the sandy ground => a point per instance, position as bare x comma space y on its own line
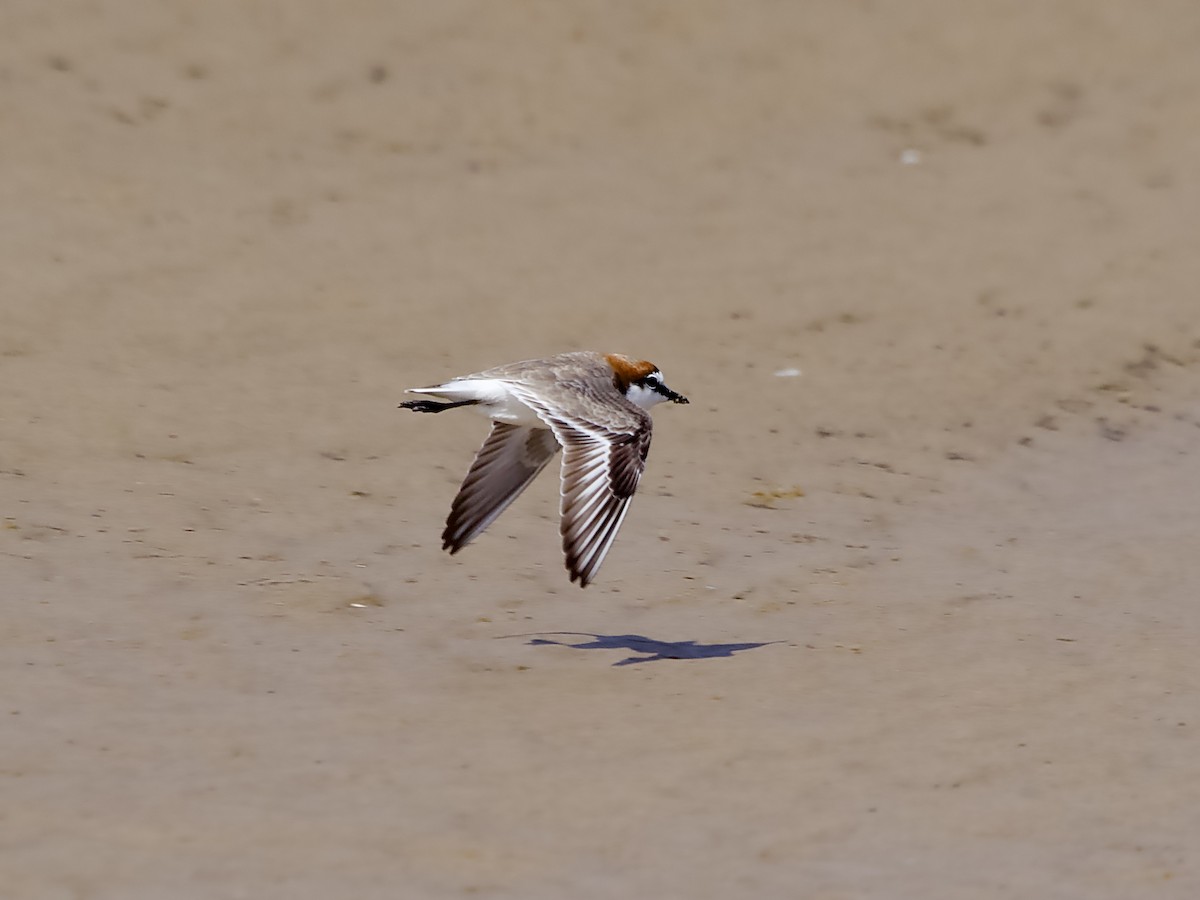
919, 622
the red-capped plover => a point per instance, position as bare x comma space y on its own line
593, 405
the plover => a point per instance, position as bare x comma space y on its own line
593, 405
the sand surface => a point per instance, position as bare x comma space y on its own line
920, 621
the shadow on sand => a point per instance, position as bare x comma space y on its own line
653, 650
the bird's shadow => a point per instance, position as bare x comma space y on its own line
652, 649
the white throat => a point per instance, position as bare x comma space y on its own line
643, 396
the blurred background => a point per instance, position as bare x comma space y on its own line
927, 273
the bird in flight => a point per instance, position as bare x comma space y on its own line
593, 406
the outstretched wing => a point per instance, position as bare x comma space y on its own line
509, 459
603, 459
600, 472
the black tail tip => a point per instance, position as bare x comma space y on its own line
434, 406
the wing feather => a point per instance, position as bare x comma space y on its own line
601, 468
508, 461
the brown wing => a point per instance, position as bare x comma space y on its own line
600, 472
509, 459
603, 460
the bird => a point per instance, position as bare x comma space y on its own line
591, 405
